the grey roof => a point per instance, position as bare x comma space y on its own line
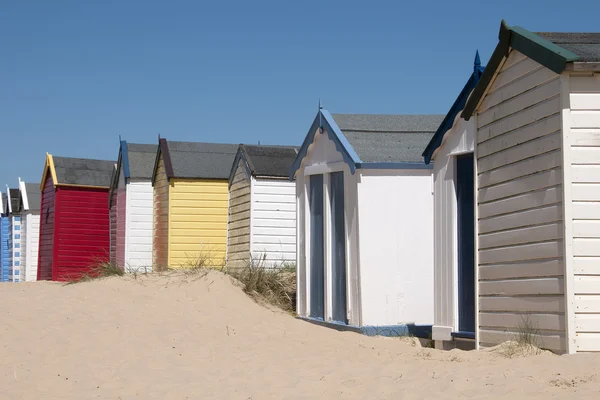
83, 171
273, 161
14, 200
388, 138
585, 45
34, 196
4, 203
141, 160
201, 160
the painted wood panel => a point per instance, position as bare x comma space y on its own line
238, 226
33, 237
113, 227
160, 229
121, 225
273, 201
139, 214
520, 203
206, 239
46, 255
584, 146
4, 264
82, 231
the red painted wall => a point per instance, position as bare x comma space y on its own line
46, 231
82, 231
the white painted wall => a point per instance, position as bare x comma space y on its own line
30, 237
138, 244
582, 143
273, 227
519, 205
458, 140
395, 217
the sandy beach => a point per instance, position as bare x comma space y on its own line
190, 337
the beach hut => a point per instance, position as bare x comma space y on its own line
4, 266
74, 228
365, 222
29, 210
14, 235
262, 207
191, 198
536, 111
131, 199
450, 150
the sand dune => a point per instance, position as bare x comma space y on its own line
176, 337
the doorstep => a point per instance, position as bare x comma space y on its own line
420, 331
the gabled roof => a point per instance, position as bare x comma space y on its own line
265, 161
553, 50
30, 197
82, 172
12, 200
195, 160
137, 161
3, 203
438, 138
374, 141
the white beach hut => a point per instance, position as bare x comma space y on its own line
262, 207
451, 153
14, 235
29, 210
536, 110
365, 222
131, 205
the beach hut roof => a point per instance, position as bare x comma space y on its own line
138, 160
375, 140
3, 203
30, 197
553, 50
67, 171
196, 160
13, 204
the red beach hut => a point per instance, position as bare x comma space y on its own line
74, 223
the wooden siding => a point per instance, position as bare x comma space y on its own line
121, 226
46, 254
82, 231
4, 266
238, 225
584, 147
160, 230
139, 226
520, 242
30, 228
273, 221
113, 228
198, 222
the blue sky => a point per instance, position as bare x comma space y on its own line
76, 74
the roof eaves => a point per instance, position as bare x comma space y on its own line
125, 159
24, 198
325, 121
239, 156
533, 46
48, 166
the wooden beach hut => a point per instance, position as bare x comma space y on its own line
262, 207
4, 264
536, 110
74, 229
365, 222
131, 204
191, 198
451, 153
14, 235
29, 209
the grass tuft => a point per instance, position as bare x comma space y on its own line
102, 269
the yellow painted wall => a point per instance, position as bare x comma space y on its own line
160, 232
198, 221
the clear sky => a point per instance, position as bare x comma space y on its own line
75, 74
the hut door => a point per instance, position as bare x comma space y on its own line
317, 256
466, 242
338, 247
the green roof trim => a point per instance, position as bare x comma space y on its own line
533, 46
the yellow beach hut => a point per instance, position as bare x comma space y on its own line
191, 197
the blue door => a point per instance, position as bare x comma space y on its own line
317, 256
465, 194
338, 247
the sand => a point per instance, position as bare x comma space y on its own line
176, 337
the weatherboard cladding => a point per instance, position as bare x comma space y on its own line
388, 138
272, 161
82, 171
201, 160
141, 159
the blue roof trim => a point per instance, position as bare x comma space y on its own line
457, 107
393, 165
125, 159
325, 120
